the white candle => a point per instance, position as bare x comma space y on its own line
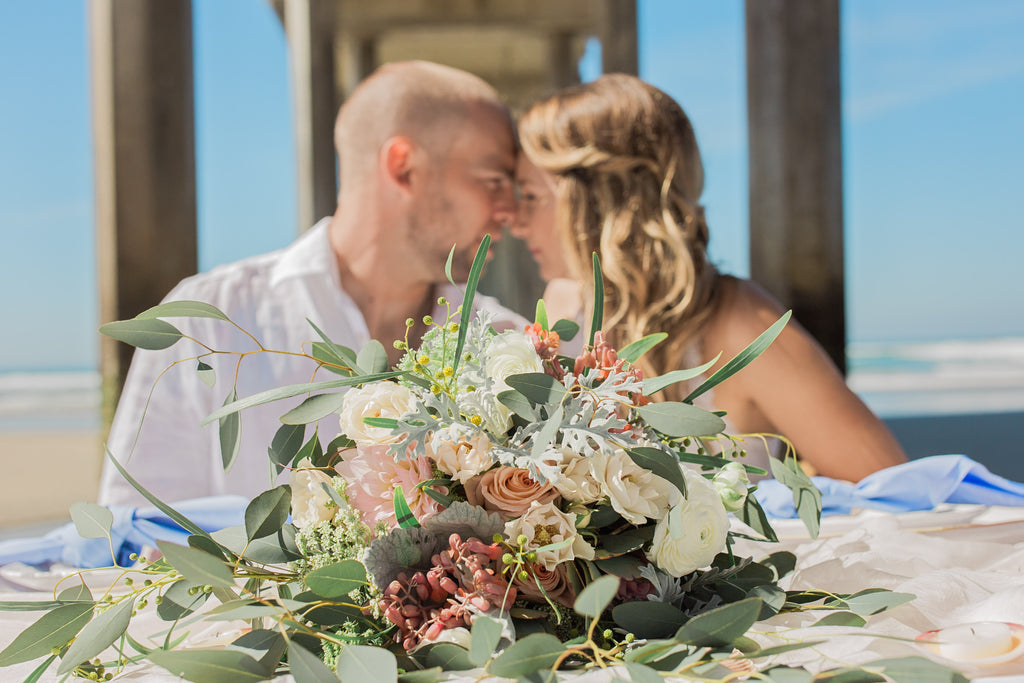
975, 641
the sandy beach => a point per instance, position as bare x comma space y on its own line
44, 473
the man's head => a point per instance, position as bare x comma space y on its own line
435, 147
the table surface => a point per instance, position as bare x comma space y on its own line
964, 563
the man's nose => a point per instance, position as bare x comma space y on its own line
505, 207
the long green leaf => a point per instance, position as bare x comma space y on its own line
681, 419
268, 512
151, 334
337, 580
403, 513
467, 300
313, 408
721, 626
230, 433
365, 663
598, 319
91, 520
182, 521
743, 358
307, 667
182, 309
53, 629
98, 635
541, 315
598, 594
535, 652
197, 566
209, 666
663, 464
294, 390
634, 351
40, 670
655, 384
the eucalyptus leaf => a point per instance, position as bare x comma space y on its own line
182, 309
209, 666
263, 645
681, 419
842, 619
293, 390
467, 300
743, 358
598, 318
721, 626
91, 520
337, 580
76, 593
182, 521
307, 667
647, 619
448, 656
310, 450
274, 549
871, 601
177, 602
540, 388
592, 600
38, 672
313, 408
207, 375
612, 545
566, 329
98, 635
753, 515
806, 496
286, 443
268, 512
53, 629
663, 464
197, 566
638, 673
918, 670
632, 352
372, 357
230, 432
486, 634
149, 334
366, 663
432, 675
535, 652
329, 357
29, 605
655, 384
518, 404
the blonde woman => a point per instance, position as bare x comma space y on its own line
613, 167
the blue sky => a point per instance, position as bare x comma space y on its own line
933, 105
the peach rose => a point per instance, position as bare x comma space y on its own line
555, 583
508, 491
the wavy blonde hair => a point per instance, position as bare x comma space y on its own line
629, 176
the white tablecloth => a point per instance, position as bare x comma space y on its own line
964, 564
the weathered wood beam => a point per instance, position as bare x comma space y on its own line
796, 182
619, 50
309, 26
145, 177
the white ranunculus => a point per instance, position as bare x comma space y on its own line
497, 418
510, 353
460, 451
693, 531
379, 399
544, 524
575, 480
731, 482
310, 503
635, 493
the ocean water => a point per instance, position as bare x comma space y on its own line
896, 379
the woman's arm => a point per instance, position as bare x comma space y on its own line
794, 389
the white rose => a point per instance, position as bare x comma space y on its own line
511, 353
635, 492
731, 482
575, 480
460, 451
544, 524
692, 532
379, 399
310, 503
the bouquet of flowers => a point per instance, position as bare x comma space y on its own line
488, 504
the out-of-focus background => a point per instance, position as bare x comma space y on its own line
932, 109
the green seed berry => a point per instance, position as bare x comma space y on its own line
531, 556
441, 301
428, 320
521, 539
523, 575
607, 633
630, 637
453, 327
398, 344
409, 322
508, 558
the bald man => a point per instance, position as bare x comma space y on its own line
426, 160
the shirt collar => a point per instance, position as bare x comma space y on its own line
310, 254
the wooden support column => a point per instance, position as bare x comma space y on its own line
619, 52
309, 26
145, 177
796, 188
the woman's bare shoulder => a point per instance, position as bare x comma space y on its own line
745, 310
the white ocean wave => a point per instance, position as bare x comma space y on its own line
49, 400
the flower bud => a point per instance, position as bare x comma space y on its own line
731, 484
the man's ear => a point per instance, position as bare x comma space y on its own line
399, 155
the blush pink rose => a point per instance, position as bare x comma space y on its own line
372, 477
555, 583
508, 491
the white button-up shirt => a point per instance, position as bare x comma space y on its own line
271, 296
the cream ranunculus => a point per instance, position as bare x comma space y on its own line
511, 353
379, 399
693, 531
461, 451
575, 481
310, 503
635, 493
731, 482
544, 524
